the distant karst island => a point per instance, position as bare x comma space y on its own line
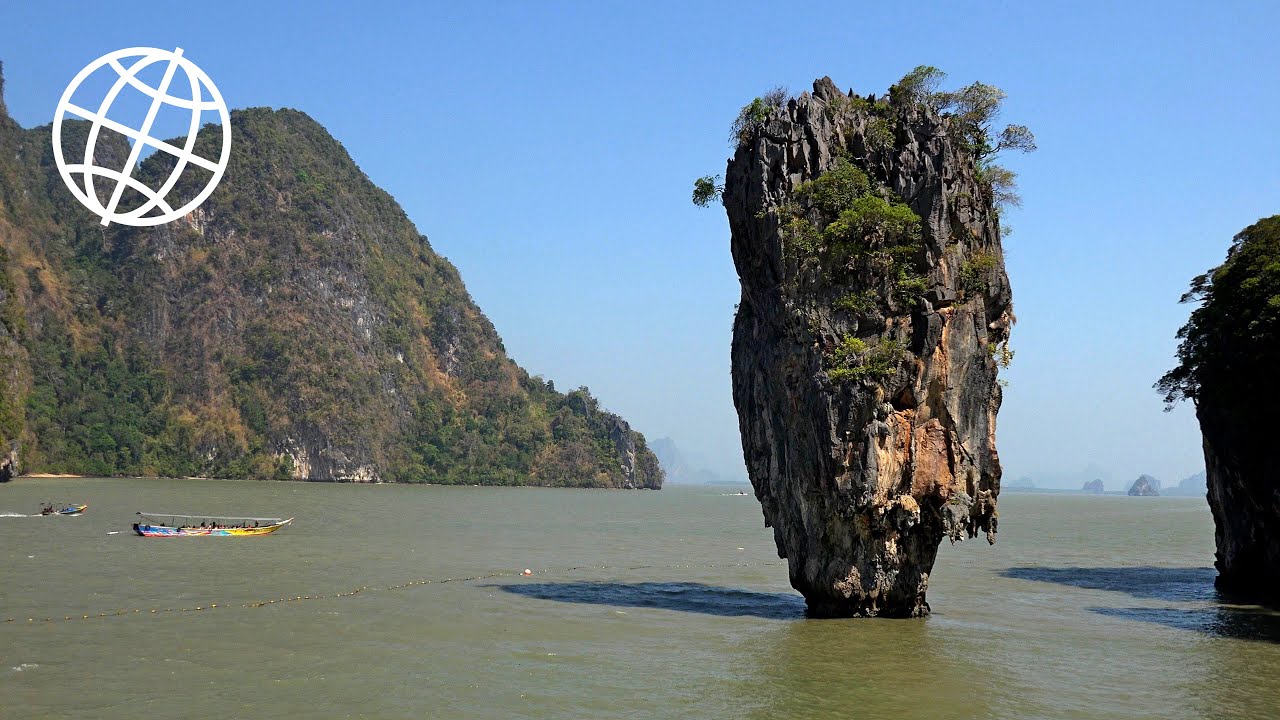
1190, 486
679, 469
1145, 486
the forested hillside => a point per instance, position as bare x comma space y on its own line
296, 326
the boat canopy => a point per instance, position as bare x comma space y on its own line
209, 517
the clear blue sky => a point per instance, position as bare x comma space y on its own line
548, 150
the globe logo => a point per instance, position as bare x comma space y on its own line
81, 176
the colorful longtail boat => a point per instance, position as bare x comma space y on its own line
71, 509
172, 525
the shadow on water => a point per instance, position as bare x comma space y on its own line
682, 596
1157, 583
1241, 623
1171, 584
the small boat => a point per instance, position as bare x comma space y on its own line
173, 525
70, 509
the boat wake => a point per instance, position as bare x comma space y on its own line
9, 514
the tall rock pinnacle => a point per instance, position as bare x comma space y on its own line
1227, 361
875, 312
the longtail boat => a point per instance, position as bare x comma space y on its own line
173, 525
71, 509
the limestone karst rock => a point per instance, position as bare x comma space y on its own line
1093, 487
874, 309
1145, 486
1227, 361
297, 325
1190, 486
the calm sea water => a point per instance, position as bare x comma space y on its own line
642, 605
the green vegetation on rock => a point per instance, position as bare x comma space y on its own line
853, 359
1231, 343
972, 110
975, 270
706, 190
842, 224
1227, 365
296, 325
755, 114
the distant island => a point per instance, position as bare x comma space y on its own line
296, 326
678, 468
1145, 486
1192, 486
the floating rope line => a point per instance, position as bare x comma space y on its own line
367, 589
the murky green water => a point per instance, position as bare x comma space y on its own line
644, 605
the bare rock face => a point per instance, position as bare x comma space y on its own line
1244, 496
864, 353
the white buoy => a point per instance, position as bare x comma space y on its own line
527, 571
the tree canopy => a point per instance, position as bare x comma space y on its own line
1230, 346
972, 109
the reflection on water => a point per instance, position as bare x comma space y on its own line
683, 596
867, 668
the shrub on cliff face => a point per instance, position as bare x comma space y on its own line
973, 110
842, 222
975, 271
836, 189
1231, 344
853, 359
754, 114
706, 190
920, 86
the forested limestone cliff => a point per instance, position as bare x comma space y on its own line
297, 325
1227, 366
875, 313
